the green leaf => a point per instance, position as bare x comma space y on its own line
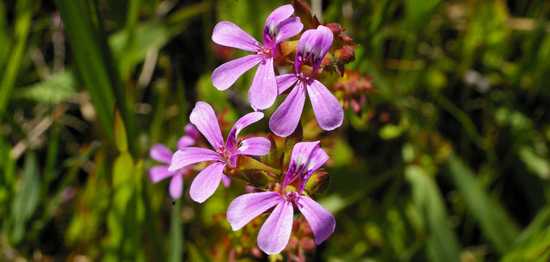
535, 163
416, 12
121, 138
533, 244
148, 36
389, 132
26, 198
56, 89
131, 45
496, 225
442, 243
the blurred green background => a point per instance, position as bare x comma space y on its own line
448, 159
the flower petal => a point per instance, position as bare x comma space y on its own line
263, 91
176, 186
288, 29
254, 146
205, 183
280, 25
275, 232
279, 14
225, 75
190, 137
285, 81
315, 44
241, 123
327, 109
317, 159
205, 120
158, 173
248, 206
226, 181
285, 119
228, 34
321, 222
161, 153
191, 155
185, 141
309, 154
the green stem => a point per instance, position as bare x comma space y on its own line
22, 28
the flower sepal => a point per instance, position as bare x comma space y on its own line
246, 163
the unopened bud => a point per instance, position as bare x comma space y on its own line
335, 28
345, 54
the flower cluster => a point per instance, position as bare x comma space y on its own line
286, 188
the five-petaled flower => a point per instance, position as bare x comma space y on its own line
279, 26
274, 234
224, 154
312, 48
163, 154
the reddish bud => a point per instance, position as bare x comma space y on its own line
345, 54
335, 28
354, 87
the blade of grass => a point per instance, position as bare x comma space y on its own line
442, 243
496, 225
4, 37
22, 28
26, 199
533, 244
94, 62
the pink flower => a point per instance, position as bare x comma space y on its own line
162, 154
274, 234
279, 26
313, 45
224, 154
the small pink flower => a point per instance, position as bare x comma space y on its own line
162, 154
157, 173
224, 154
279, 26
274, 234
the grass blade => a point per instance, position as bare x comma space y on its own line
442, 243
495, 223
94, 62
22, 28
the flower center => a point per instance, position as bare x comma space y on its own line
227, 155
292, 197
265, 52
304, 77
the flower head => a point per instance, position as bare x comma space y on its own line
163, 154
279, 26
223, 154
274, 234
313, 45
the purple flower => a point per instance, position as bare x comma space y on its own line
312, 48
162, 154
157, 173
279, 26
274, 234
224, 154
